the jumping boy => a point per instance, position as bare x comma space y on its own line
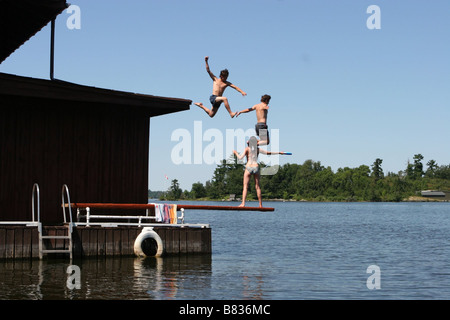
261, 119
219, 86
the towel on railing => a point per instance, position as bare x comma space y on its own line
165, 213
173, 213
159, 212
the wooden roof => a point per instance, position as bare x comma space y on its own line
22, 19
40, 89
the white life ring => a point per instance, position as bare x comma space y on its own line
148, 244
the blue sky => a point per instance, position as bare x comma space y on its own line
342, 94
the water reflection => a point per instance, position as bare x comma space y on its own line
253, 287
111, 278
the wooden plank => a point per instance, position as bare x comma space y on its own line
76, 243
137, 206
34, 243
125, 250
189, 241
168, 241
225, 208
18, 243
132, 235
162, 234
183, 240
130, 242
48, 244
109, 242
2, 243
101, 242
84, 237
206, 240
9, 246
117, 243
194, 241
93, 242
176, 241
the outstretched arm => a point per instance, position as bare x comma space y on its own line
270, 152
246, 110
208, 70
237, 89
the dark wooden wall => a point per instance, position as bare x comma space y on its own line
99, 151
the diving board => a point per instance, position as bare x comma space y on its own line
231, 208
132, 206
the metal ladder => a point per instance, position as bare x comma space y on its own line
66, 237
68, 229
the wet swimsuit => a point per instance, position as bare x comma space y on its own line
252, 170
215, 104
259, 126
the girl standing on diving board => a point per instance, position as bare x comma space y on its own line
252, 167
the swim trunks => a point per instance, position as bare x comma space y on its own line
212, 99
259, 126
252, 170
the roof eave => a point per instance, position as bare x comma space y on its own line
12, 85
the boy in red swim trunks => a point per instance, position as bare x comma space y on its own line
219, 86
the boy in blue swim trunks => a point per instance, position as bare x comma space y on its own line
219, 86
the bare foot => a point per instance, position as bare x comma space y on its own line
233, 114
209, 112
241, 205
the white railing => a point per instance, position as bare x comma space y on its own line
105, 220
114, 220
138, 220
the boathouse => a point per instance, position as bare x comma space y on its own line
55, 134
435, 194
94, 140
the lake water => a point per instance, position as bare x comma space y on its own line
301, 251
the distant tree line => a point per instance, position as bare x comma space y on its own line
155, 194
311, 181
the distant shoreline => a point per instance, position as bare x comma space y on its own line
410, 199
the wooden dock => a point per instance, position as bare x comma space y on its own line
22, 242
110, 237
